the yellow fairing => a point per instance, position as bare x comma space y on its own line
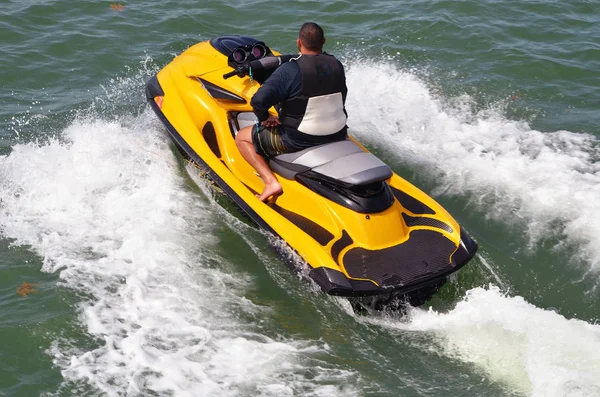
321, 231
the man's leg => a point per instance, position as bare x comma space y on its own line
243, 140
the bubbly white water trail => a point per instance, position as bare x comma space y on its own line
106, 207
534, 352
541, 179
549, 182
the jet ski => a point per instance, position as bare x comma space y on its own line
364, 232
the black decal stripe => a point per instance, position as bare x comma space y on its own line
411, 203
339, 245
423, 221
316, 231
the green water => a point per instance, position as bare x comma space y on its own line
150, 283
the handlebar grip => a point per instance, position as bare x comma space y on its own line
271, 62
230, 74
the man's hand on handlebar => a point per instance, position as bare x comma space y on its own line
271, 121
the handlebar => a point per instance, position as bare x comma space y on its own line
230, 74
259, 64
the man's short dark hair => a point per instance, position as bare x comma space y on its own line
312, 36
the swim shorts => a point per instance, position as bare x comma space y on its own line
267, 141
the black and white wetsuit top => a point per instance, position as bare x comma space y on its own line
309, 92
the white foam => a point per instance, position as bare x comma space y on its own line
549, 182
532, 351
106, 207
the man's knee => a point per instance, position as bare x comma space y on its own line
244, 135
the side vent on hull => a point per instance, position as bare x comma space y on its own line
210, 136
219, 93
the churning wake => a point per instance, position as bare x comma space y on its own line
503, 167
533, 352
547, 181
106, 206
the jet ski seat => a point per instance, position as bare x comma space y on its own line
344, 161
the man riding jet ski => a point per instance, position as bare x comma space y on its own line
363, 231
311, 89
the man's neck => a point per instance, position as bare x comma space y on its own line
308, 52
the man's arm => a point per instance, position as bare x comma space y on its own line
278, 87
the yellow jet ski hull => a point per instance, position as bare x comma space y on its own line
405, 245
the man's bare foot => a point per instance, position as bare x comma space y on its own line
271, 189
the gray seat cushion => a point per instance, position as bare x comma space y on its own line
344, 161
